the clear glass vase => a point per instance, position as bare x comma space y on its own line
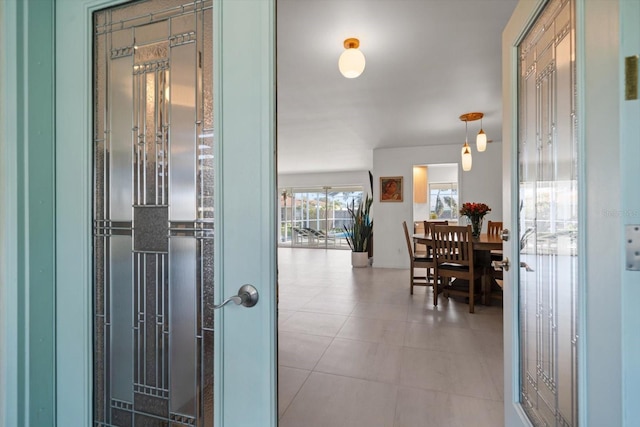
476, 225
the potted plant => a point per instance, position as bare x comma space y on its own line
359, 232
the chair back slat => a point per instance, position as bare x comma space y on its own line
407, 238
494, 227
428, 225
452, 244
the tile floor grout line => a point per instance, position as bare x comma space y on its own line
416, 322
294, 396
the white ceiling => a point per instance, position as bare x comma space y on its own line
428, 62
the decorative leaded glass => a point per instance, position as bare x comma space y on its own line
153, 214
548, 178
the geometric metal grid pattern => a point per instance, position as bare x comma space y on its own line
153, 214
548, 219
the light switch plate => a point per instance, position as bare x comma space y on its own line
632, 247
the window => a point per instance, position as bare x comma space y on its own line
316, 217
443, 200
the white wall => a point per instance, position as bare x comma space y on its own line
482, 184
442, 173
355, 178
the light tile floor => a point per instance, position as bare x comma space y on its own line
355, 349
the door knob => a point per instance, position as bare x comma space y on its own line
504, 234
247, 296
504, 264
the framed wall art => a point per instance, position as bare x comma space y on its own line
391, 189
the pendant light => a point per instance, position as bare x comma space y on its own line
466, 152
351, 62
481, 139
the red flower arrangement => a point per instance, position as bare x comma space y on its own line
477, 210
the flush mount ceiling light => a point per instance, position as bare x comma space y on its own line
351, 62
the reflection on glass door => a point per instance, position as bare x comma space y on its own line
548, 220
153, 214
315, 218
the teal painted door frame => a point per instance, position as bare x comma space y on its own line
629, 155
45, 212
27, 221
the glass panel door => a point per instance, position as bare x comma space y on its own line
315, 218
548, 187
153, 214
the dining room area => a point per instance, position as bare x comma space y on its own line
464, 261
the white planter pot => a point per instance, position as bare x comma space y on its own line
359, 259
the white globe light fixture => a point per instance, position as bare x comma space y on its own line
351, 62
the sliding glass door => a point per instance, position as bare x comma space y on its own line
315, 217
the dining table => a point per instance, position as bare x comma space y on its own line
482, 247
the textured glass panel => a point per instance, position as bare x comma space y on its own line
153, 362
99, 124
152, 52
564, 128
121, 86
151, 229
150, 146
121, 418
151, 405
182, 289
182, 153
139, 13
207, 387
145, 421
206, 260
183, 24
548, 219
122, 38
150, 33
98, 372
121, 269
207, 66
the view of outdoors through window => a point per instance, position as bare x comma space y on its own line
316, 217
443, 200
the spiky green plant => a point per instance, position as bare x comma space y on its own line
360, 230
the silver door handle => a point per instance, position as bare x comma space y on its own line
504, 264
525, 266
247, 296
504, 235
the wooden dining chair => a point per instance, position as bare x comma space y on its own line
419, 249
429, 224
427, 262
453, 252
494, 228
